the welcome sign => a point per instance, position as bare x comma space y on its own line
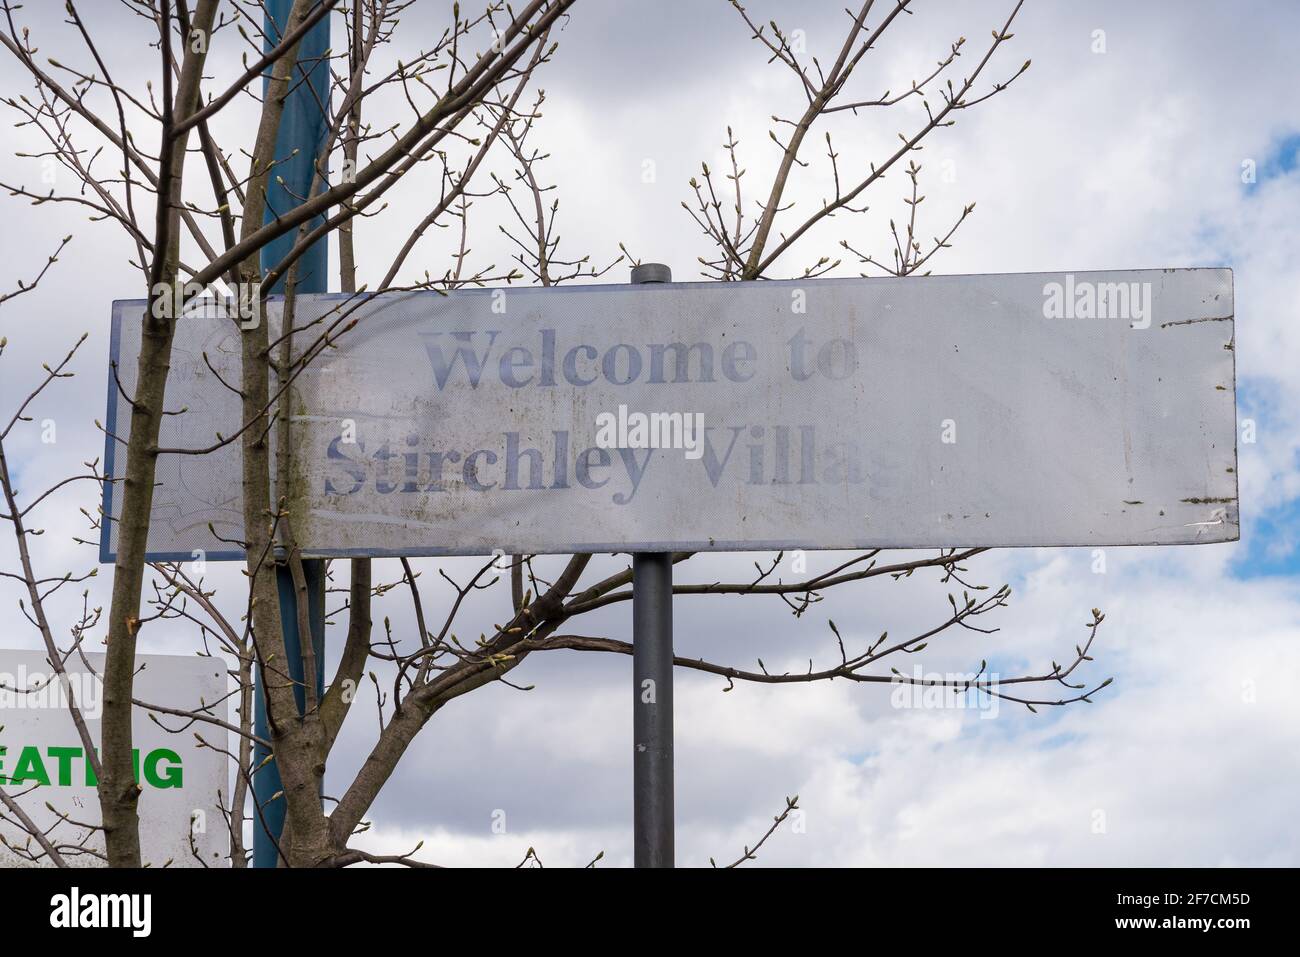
1026, 409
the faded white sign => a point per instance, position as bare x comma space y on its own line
1026, 409
43, 760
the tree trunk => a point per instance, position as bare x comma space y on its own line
118, 790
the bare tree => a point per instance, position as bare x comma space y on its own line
185, 109
460, 109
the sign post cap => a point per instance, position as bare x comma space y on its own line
651, 272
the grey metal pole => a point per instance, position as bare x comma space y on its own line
652, 686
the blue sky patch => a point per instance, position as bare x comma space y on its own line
1282, 159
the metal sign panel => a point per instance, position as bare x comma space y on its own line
42, 758
1015, 410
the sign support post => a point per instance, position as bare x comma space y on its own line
652, 686
298, 142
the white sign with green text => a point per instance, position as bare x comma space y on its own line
45, 769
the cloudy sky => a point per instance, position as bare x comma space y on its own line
1122, 149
